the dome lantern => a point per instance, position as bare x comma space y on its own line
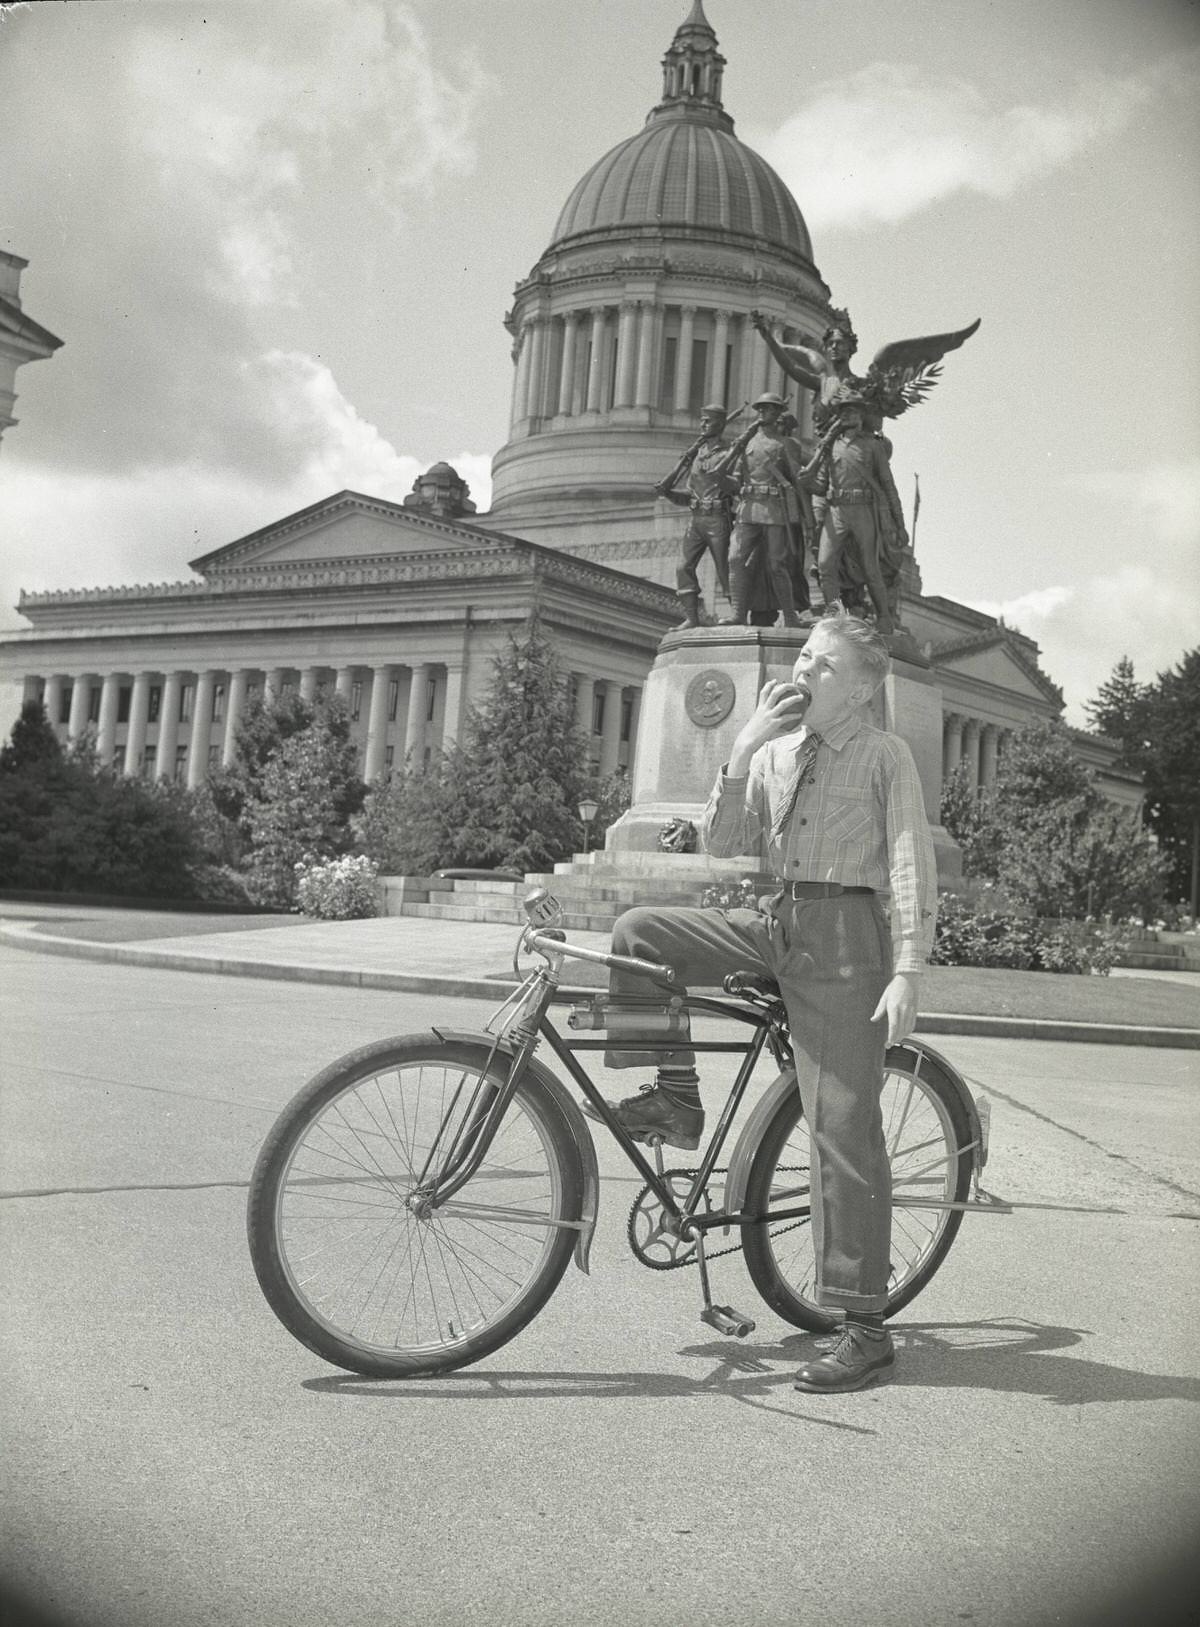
692, 70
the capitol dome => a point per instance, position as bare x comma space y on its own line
641, 309
684, 170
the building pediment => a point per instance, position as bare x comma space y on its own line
345, 526
990, 658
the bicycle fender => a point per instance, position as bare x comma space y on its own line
956, 1082
768, 1104
763, 1112
575, 1121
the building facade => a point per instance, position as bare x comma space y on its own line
22, 339
637, 313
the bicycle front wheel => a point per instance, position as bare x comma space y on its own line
363, 1272
928, 1135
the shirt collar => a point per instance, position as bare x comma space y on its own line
837, 734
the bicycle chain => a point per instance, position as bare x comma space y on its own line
709, 1254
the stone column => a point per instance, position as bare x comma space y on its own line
952, 743
239, 682
635, 713
536, 395
343, 684
595, 378
716, 371
683, 358
81, 686
139, 712
106, 729
308, 684
748, 357
272, 685
566, 373
452, 716
971, 751
168, 726
520, 393
987, 756
645, 354
610, 732
626, 354
585, 695
52, 699
418, 705
377, 722
201, 738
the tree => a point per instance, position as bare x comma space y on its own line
1170, 764
67, 824
507, 794
293, 789
1119, 712
1049, 838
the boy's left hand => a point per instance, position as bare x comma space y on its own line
898, 1004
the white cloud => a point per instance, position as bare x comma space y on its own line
1148, 608
264, 106
893, 138
147, 523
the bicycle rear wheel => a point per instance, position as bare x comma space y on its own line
387, 1287
928, 1135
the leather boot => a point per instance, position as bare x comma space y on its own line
690, 603
739, 587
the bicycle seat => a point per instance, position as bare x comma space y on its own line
760, 984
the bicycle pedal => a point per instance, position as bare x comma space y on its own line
726, 1320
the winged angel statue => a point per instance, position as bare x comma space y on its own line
901, 376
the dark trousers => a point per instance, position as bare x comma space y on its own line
749, 542
852, 528
706, 533
832, 958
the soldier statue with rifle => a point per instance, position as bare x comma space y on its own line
706, 494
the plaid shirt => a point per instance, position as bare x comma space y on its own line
859, 820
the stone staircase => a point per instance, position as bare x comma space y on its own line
591, 891
1152, 951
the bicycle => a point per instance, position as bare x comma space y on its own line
417, 1203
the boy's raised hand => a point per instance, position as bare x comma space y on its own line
780, 710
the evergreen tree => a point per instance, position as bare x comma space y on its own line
507, 795
1119, 712
1170, 762
293, 790
32, 745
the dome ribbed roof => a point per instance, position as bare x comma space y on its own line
685, 172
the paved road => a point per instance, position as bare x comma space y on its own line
173, 1456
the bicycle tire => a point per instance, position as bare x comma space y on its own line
338, 1165
920, 1104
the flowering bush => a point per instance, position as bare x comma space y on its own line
730, 895
978, 933
337, 889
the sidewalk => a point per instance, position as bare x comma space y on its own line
474, 961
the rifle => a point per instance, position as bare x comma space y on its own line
689, 457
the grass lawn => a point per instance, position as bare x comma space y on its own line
1133, 1001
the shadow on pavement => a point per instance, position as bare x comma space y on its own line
1006, 1356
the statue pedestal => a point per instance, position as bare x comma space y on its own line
702, 687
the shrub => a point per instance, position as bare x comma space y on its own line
981, 933
730, 895
337, 889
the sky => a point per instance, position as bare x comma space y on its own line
278, 241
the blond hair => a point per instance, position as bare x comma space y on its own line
870, 650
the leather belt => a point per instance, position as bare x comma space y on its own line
852, 494
819, 889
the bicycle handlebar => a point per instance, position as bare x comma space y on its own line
546, 944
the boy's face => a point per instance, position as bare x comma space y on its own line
828, 669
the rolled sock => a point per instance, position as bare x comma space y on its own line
871, 1321
682, 1085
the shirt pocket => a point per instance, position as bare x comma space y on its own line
849, 814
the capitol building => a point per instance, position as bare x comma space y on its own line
636, 313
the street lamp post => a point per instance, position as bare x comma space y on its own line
588, 809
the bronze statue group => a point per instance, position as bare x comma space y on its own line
796, 536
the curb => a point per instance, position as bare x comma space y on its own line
24, 936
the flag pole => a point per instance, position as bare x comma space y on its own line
916, 510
